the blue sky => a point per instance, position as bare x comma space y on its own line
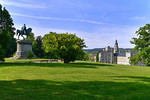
99, 22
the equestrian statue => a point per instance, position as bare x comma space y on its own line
23, 31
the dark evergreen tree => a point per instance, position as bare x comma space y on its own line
11, 49
6, 30
38, 51
97, 56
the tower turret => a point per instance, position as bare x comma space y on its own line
116, 50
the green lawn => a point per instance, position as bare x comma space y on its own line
74, 81
23, 60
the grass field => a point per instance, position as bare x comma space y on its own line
23, 60
74, 81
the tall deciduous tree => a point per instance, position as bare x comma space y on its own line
142, 45
66, 46
6, 29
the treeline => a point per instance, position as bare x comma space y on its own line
37, 47
64, 46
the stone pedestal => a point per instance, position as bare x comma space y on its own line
23, 47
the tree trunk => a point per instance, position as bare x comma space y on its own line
66, 61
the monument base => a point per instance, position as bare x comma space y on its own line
23, 47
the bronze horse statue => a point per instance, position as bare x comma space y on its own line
23, 32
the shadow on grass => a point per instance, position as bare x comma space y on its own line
61, 65
68, 90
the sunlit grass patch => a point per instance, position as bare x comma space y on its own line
74, 81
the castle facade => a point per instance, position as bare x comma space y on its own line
116, 56
109, 55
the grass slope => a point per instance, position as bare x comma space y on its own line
75, 81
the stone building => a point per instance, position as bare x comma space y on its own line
116, 56
106, 56
109, 55
124, 58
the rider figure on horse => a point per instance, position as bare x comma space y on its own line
24, 29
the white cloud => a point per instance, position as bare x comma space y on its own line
62, 19
19, 4
138, 18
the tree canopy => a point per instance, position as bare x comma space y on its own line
6, 30
66, 46
142, 45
